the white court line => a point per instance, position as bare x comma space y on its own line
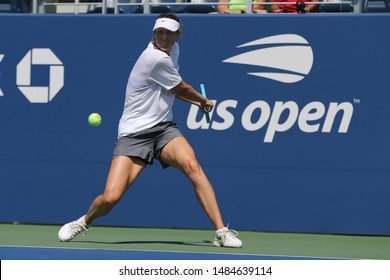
180, 252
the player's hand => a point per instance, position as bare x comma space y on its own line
207, 106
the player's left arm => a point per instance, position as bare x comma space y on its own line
187, 93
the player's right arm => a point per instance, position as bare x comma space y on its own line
187, 93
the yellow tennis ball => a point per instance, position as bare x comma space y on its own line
94, 119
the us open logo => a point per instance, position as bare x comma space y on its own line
40, 94
288, 59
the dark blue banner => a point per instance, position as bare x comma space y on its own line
298, 140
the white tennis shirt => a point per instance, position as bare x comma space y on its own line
149, 95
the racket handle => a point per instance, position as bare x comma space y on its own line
207, 108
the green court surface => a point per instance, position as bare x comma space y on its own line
200, 241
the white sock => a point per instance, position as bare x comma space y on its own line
82, 221
222, 230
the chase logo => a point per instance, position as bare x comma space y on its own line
40, 94
287, 58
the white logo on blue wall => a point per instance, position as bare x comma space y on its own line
288, 60
40, 94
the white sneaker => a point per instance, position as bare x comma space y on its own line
227, 238
72, 229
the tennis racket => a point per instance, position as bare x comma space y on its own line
206, 108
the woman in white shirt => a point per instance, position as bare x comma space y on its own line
146, 132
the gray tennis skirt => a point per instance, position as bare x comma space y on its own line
147, 144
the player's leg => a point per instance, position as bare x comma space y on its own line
178, 153
123, 172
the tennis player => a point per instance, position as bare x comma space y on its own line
146, 132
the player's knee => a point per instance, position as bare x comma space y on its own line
191, 167
111, 199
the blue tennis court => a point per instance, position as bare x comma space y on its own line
37, 253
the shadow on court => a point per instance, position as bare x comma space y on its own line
204, 243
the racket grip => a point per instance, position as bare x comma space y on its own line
207, 108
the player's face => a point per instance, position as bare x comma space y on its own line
165, 39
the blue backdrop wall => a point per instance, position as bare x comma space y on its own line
298, 141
